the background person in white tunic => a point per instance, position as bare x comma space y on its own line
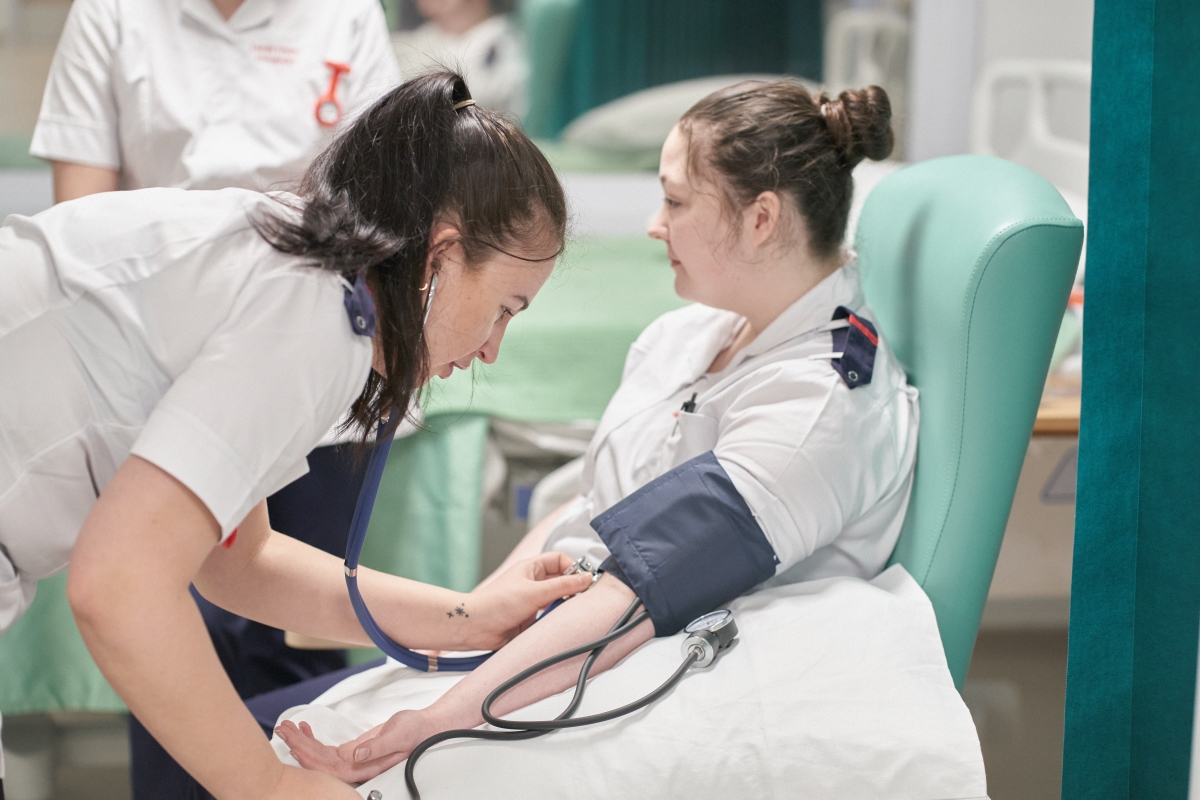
757, 189
477, 37
171, 356
203, 94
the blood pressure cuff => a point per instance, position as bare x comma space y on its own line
685, 543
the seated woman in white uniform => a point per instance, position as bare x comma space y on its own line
171, 356
763, 435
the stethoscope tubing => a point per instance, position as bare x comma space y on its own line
354, 545
599, 644
618, 629
577, 722
358, 536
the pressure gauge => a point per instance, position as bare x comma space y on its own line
710, 634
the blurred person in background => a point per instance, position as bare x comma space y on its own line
478, 38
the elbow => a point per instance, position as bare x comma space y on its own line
87, 595
100, 597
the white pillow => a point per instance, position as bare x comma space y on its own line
642, 120
836, 688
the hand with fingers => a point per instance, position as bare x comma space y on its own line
372, 753
504, 607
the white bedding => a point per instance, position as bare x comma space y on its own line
837, 689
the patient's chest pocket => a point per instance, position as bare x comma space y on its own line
694, 435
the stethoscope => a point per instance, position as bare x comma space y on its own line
329, 109
358, 535
706, 636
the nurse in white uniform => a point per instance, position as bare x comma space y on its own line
764, 435
205, 94
210, 94
171, 356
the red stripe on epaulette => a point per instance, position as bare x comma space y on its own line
856, 322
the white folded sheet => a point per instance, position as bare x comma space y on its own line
836, 689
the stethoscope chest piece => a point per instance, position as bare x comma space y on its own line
709, 634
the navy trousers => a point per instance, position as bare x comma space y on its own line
315, 509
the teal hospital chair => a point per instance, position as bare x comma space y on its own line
967, 262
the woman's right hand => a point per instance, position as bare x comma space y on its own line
507, 605
361, 759
301, 784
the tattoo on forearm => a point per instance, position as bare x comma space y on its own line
460, 611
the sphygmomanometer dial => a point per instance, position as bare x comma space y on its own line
710, 634
710, 621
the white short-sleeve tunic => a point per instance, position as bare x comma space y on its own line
158, 323
825, 469
169, 93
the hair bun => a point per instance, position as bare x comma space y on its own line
860, 123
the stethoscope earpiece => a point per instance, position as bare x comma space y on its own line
433, 280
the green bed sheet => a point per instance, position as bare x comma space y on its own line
561, 360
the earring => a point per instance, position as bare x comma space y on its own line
423, 288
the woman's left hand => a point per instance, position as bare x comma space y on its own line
504, 607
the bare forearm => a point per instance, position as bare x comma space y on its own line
155, 652
128, 588
285, 583
291, 585
581, 619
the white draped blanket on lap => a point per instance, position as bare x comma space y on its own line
838, 688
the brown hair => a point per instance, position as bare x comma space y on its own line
371, 199
774, 136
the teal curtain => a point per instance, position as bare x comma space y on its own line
622, 46
1135, 594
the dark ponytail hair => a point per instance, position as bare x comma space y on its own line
774, 136
371, 199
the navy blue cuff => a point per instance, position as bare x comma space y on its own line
611, 567
686, 543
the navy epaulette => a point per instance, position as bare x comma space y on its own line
360, 307
857, 343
